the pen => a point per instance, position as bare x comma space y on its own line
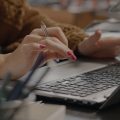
44, 29
40, 79
50, 63
17, 91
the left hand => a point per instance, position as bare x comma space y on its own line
22, 59
95, 46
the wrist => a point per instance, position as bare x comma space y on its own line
78, 49
82, 47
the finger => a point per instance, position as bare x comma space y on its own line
53, 32
51, 55
117, 52
32, 38
95, 37
109, 42
58, 47
33, 47
88, 46
98, 34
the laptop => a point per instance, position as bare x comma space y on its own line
93, 84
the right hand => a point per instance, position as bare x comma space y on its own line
97, 47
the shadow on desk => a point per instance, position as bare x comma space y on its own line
112, 113
78, 112
82, 114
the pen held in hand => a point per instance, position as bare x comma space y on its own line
17, 91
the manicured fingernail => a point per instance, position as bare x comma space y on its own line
71, 55
42, 46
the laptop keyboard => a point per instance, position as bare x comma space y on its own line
87, 83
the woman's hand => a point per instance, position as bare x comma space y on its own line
22, 59
95, 46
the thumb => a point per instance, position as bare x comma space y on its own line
90, 44
95, 37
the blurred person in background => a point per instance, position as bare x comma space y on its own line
18, 19
93, 3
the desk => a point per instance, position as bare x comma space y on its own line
111, 114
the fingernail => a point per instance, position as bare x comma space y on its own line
71, 55
42, 46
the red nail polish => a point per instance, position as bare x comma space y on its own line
42, 46
74, 57
71, 54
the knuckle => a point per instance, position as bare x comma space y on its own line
46, 41
58, 29
35, 30
27, 38
54, 39
32, 45
29, 47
